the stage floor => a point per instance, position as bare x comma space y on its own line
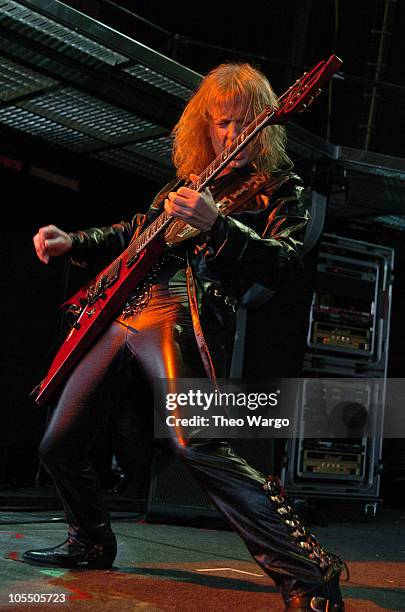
167, 567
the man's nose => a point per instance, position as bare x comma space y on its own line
233, 130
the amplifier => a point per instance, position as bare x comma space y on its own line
332, 459
349, 316
319, 462
343, 312
335, 335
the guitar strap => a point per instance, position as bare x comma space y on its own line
235, 200
232, 202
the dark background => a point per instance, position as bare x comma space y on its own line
281, 38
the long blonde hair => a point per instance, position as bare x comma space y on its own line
232, 85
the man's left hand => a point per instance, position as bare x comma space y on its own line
197, 208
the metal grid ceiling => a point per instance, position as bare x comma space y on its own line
74, 83
119, 112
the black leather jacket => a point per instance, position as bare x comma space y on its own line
259, 243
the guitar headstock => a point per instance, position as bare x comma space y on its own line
300, 96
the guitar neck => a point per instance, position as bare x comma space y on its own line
240, 142
297, 98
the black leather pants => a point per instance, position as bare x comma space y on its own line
160, 341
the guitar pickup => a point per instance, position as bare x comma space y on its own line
132, 260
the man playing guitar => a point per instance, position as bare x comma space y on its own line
177, 323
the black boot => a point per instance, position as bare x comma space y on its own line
327, 597
75, 553
314, 604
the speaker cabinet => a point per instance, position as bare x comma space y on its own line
176, 497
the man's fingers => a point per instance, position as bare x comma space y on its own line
48, 232
40, 250
180, 194
179, 200
46, 238
39, 246
43, 234
45, 231
185, 191
50, 242
176, 210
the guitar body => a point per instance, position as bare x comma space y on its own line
96, 305
97, 311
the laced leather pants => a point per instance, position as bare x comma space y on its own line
160, 341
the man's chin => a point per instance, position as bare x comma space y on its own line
239, 163
235, 164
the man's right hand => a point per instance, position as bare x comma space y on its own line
50, 241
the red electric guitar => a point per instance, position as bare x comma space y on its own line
97, 304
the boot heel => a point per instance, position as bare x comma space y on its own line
105, 561
101, 556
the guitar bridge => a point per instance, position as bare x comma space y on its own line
113, 272
96, 291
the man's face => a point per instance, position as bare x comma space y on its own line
226, 123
